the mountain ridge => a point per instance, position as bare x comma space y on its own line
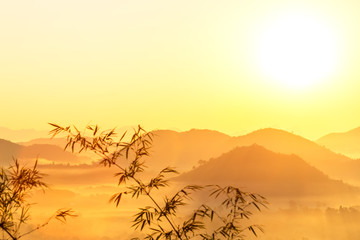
10, 151
343, 142
189, 149
266, 172
185, 150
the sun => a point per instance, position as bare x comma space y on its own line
296, 51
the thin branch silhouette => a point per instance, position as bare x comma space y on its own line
16, 183
162, 221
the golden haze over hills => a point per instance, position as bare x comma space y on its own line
288, 169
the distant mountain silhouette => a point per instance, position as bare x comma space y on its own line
266, 172
347, 143
181, 149
21, 135
185, 149
60, 142
9, 150
335, 165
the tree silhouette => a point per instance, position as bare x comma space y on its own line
161, 219
16, 183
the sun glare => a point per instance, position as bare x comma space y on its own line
296, 51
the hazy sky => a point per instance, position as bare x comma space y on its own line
181, 64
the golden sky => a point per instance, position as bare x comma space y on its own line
231, 66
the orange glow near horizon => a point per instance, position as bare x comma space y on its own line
179, 65
262, 97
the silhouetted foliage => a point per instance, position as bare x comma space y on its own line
16, 183
161, 220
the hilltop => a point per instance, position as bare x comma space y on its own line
267, 172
